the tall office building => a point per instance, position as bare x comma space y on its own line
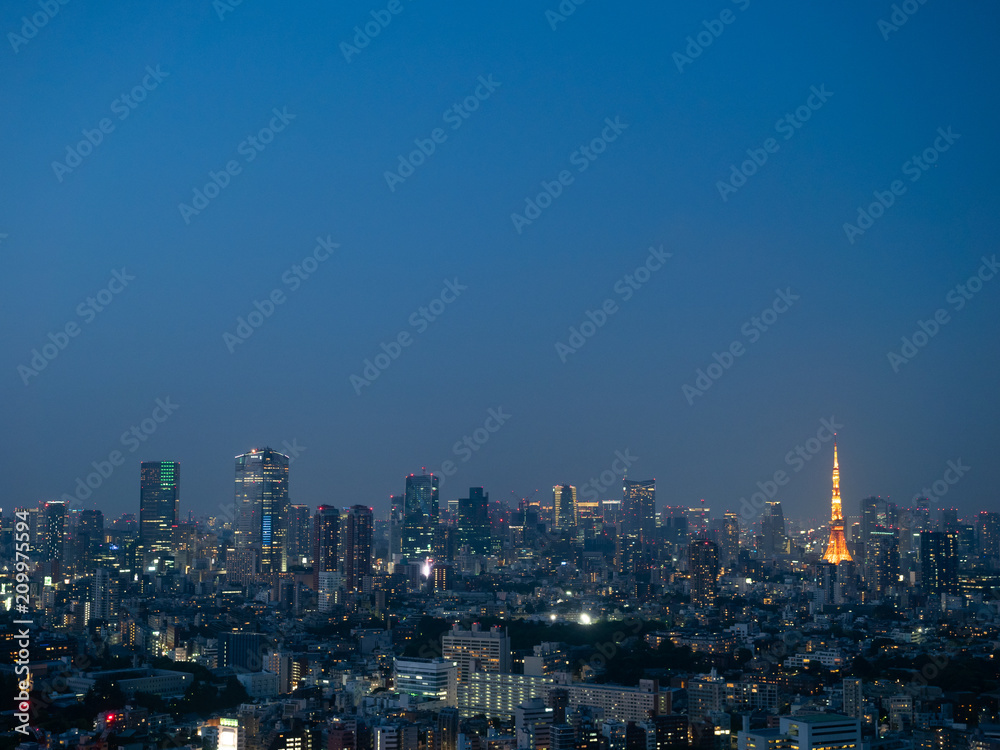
241, 649
703, 569
878, 516
261, 507
85, 541
357, 544
474, 521
939, 562
836, 549
637, 529
949, 520
326, 542
420, 516
774, 534
54, 526
396, 503
881, 568
564, 506
299, 535
159, 505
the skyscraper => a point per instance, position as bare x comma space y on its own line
881, 569
879, 517
357, 542
988, 532
730, 546
703, 569
159, 505
106, 594
54, 530
88, 536
299, 534
939, 562
474, 521
564, 506
836, 550
775, 537
420, 516
326, 542
637, 533
261, 507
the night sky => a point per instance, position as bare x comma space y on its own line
738, 163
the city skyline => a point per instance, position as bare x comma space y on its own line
952, 472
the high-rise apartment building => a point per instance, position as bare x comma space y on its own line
357, 545
54, 525
703, 569
939, 562
730, 538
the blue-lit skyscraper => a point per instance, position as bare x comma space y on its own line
261, 507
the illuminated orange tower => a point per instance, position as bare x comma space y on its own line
836, 550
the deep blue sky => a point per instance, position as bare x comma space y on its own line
323, 175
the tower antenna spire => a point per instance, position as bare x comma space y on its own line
836, 550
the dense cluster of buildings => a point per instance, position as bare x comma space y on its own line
556, 623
